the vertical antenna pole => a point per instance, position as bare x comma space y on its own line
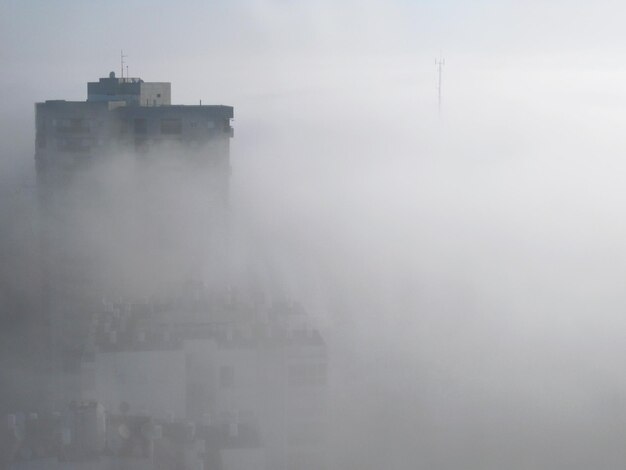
122, 62
440, 63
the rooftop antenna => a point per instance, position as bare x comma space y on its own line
122, 61
439, 63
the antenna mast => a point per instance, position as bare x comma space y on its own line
122, 61
439, 63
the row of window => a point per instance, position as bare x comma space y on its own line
168, 126
73, 144
72, 125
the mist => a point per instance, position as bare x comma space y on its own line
471, 264
465, 267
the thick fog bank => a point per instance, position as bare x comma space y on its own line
469, 265
466, 267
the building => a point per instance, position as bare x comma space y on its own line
134, 204
238, 364
133, 195
234, 384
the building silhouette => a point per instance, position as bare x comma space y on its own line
144, 327
126, 130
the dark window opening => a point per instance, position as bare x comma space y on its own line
73, 144
41, 139
72, 125
141, 126
171, 126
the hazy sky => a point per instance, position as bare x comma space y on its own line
470, 265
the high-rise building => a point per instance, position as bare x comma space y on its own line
143, 327
133, 197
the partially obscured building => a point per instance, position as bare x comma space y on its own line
133, 194
235, 364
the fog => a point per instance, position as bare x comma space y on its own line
464, 267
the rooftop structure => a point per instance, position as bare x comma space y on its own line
133, 91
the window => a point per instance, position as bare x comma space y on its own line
40, 136
41, 139
73, 144
141, 126
171, 126
71, 125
